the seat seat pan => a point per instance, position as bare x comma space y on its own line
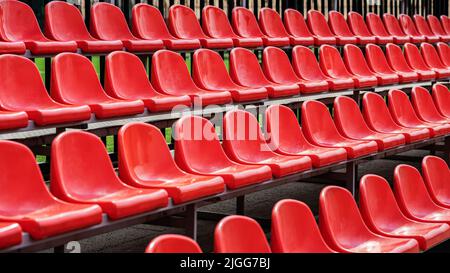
276, 41
417, 39
432, 39
413, 135
442, 73
401, 39
384, 39
407, 76
386, 79
445, 38
341, 40
249, 42
240, 175
354, 148
142, 45
181, 44
364, 40
213, 97
426, 75
114, 108
386, 245
282, 90
10, 234
241, 94
96, 46
12, 120
50, 47
340, 84
320, 156
305, 41
365, 81
59, 114
427, 234
216, 42
313, 86
12, 48
282, 165
321, 40
163, 103
386, 141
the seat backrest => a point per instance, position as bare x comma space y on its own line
422, 26
19, 22
215, 22
357, 25
338, 25
444, 53
239, 234
375, 25
348, 117
109, 23
431, 56
277, 67
376, 60
244, 23
435, 25
64, 22
414, 58
408, 25
396, 59
305, 64
318, 24
376, 113
74, 80
271, 23
400, 106
423, 103
183, 22
436, 175
355, 61
295, 23
294, 229
245, 68
441, 97
126, 78
445, 21
331, 62
393, 25
209, 70
148, 23
173, 243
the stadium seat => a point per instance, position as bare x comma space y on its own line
433, 60
81, 172
173, 243
424, 29
75, 82
25, 199
444, 53
441, 97
296, 27
13, 120
410, 29
344, 229
414, 199
171, 76
198, 150
278, 69
148, 24
246, 71
294, 229
397, 61
403, 113
351, 124
108, 23
356, 63
383, 215
422, 102
20, 25
246, 25
36, 102
358, 27
445, 21
333, 66
338, 25
244, 142
378, 117
209, 72
393, 27
240, 234
436, 28
377, 28
436, 175
418, 64
10, 234
319, 128
64, 22
215, 24
272, 26
319, 27
286, 137
145, 161
126, 79
183, 24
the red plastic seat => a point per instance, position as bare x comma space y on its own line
296, 27
436, 28
436, 175
403, 113
240, 234
215, 24
418, 64
397, 61
339, 26
383, 215
358, 27
319, 128
148, 24
246, 71
319, 27
393, 27
351, 124
10, 234
25, 199
20, 25
244, 142
441, 97
30, 96
333, 66
278, 69
445, 21
410, 29
81, 172
75, 82
173, 243
414, 199
246, 25
198, 150
424, 29
209, 72
171, 76
272, 26
286, 137
13, 120
108, 23
183, 24
294, 229
444, 53
377, 28
432, 59
145, 162
344, 229
378, 117
126, 79
64, 22
356, 63
422, 102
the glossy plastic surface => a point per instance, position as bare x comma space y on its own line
445, 21
444, 53
410, 29
424, 29
173, 243
436, 175
377, 28
10, 234
318, 25
397, 61
296, 26
393, 27
441, 97
12, 120
426, 110
432, 59
418, 64
338, 25
358, 27
437, 29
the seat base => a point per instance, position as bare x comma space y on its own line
10, 234
98, 46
